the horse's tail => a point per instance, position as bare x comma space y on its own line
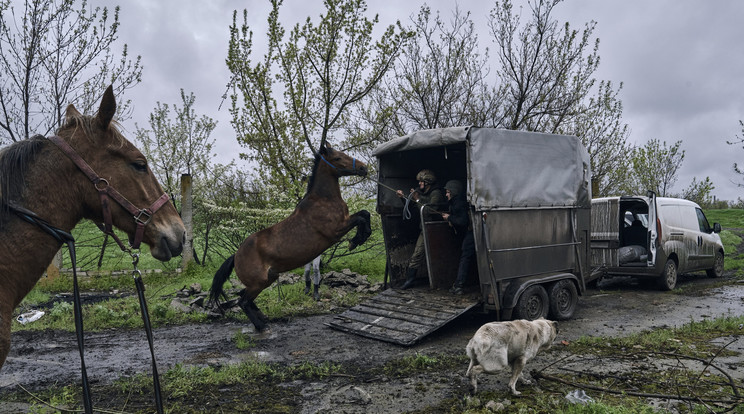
223, 273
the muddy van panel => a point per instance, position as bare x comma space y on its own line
530, 207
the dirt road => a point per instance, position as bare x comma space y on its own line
621, 307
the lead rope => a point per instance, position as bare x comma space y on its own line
137, 275
409, 199
64, 237
406, 211
78, 312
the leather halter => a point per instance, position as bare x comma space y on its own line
141, 216
351, 170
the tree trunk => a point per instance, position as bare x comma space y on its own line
187, 215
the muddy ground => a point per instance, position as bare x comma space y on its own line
619, 307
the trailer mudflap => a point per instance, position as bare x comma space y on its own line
403, 317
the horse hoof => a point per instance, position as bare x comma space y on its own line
352, 245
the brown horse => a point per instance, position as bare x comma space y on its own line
320, 219
39, 176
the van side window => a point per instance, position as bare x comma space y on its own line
702, 221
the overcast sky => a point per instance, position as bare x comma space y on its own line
681, 63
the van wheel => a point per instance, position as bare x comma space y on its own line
563, 300
717, 270
532, 304
668, 279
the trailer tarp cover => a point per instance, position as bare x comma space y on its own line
509, 168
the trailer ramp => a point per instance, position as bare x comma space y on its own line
403, 316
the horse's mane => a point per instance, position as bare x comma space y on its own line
85, 122
14, 163
311, 179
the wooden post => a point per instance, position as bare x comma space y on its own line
52, 271
187, 215
595, 188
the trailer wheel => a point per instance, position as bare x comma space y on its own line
563, 299
668, 279
532, 304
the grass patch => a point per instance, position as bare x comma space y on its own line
243, 341
732, 221
692, 339
419, 363
729, 217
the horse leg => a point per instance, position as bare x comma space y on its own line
251, 310
362, 221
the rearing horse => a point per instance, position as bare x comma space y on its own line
44, 177
320, 219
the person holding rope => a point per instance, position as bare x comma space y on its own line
427, 193
460, 221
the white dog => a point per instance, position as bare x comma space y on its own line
497, 345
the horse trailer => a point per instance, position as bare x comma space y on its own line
529, 198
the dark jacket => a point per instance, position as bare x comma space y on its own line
459, 218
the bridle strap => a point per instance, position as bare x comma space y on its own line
343, 170
105, 190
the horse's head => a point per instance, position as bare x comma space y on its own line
122, 167
341, 163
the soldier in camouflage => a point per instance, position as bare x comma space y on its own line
427, 193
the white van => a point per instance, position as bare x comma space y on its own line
651, 236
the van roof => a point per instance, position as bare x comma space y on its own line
659, 200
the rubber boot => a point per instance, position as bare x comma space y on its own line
410, 279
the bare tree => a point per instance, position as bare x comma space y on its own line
177, 142
599, 126
739, 140
545, 69
655, 167
292, 101
52, 55
438, 80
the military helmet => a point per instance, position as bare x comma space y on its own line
454, 187
427, 176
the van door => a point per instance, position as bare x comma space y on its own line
706, 242
605, 232
652, 228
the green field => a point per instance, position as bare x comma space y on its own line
163, 280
